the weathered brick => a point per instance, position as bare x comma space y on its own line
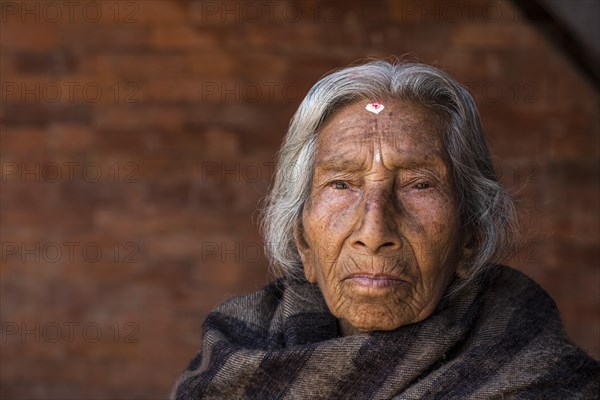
49, 62
135, 117
31, 35
41, 114
177, 36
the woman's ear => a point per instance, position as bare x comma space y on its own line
305, 252
462, 269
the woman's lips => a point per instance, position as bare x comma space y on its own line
375, 281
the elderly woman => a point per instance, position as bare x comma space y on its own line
387, 222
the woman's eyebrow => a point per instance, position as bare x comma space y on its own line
338, 164
419, 163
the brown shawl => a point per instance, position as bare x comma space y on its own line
501, 337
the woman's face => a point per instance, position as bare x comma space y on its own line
380, 232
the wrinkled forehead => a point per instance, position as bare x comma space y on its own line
404, 127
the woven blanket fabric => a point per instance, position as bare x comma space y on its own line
500, 338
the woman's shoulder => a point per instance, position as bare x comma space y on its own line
527, 321
255, 308
264, 298
508, 285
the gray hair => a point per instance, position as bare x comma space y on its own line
487, 212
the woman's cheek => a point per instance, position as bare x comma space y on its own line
332, 209
436, 219
429, 207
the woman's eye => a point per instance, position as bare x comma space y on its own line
340, 185
422, 185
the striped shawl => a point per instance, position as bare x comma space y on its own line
499, 338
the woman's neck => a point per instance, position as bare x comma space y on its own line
346, 329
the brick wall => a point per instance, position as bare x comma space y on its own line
138, 137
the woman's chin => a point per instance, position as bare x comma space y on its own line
351, 326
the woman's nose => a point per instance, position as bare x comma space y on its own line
377, 231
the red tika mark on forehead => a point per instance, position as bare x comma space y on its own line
375, 108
